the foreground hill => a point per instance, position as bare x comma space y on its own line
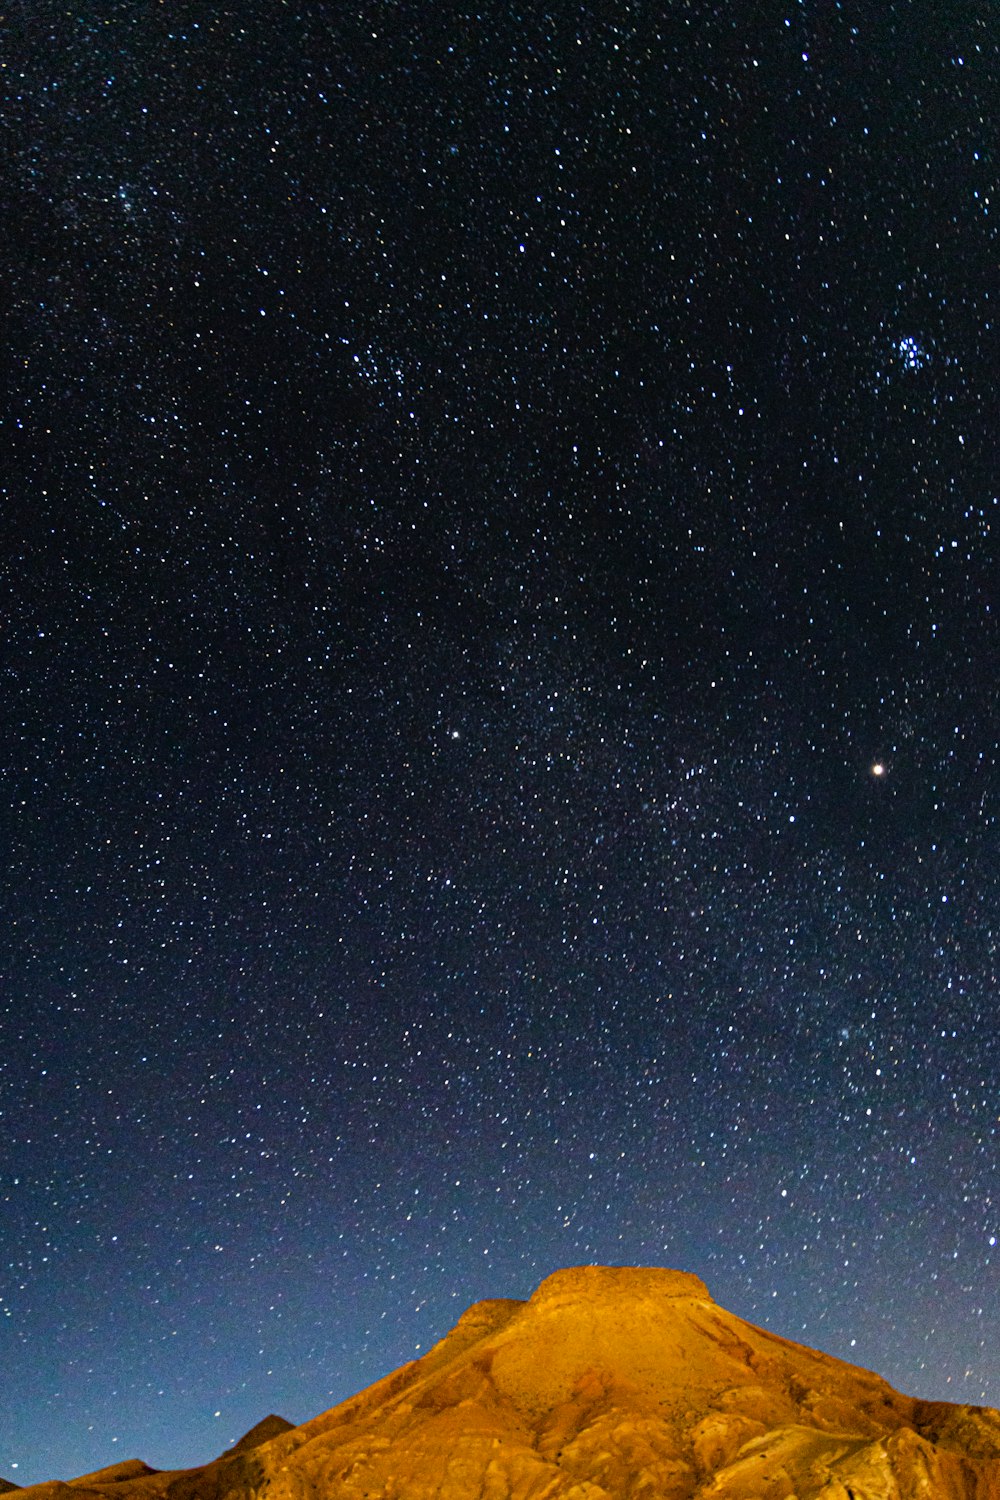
608, 1384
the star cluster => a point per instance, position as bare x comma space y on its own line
498, 658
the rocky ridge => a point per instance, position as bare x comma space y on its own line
608, 1384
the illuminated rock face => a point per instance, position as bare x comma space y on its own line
608, 1384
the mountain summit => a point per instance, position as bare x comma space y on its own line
608, 1384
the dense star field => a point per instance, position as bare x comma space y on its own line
499, 690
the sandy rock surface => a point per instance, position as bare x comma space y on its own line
608, 1384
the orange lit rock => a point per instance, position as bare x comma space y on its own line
608, 1384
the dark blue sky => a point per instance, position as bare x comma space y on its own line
483, 493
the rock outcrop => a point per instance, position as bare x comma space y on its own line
266, 1429
608, 1384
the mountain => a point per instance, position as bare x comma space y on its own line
608, 1384
265, 1430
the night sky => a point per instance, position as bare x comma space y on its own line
499, 658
